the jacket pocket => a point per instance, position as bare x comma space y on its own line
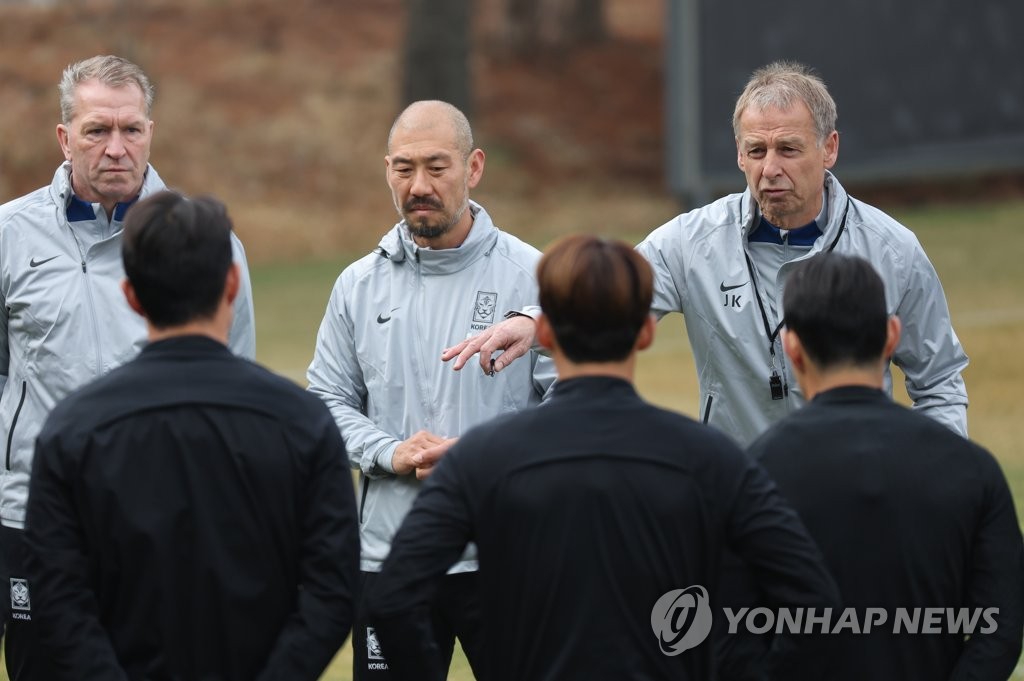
707, 409
14, 422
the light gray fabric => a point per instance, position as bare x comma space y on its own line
698, 254
377, 360
63, 318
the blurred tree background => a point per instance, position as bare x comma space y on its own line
282, 109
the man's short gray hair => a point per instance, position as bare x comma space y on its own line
112, 71
779, 85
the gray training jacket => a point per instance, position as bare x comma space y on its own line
63, 318
701, 269
378, 365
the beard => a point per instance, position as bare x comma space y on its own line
436, 223
433, 225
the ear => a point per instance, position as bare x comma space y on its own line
545, 334
64, 139
645, 338
794, 349
133, 300
232, 283
739, 156
892, 336
831, 149
475, 163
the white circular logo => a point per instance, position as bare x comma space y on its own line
681, 619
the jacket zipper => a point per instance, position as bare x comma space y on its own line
430, 409
14, 422
362, 500
707, 408
93, 323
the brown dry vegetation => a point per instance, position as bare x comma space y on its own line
282, 109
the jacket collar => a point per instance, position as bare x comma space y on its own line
608, 387
193, 345
398, 246
61, 192
846, 394
837, 198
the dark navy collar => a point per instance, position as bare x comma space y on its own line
851, 393
79, 210
184, 344
766, 232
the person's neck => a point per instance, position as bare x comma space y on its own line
216, 328
626, 369
108, 205
810, 214
814, 382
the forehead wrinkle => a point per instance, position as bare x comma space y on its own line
773, 138
134, 118
430, 158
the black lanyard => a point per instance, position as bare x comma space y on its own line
779, 388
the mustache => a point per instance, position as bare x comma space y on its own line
416, 204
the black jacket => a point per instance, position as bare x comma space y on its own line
586, 510
191, 516
909, 515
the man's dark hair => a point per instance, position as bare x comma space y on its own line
177, 253
596, 293
836, 306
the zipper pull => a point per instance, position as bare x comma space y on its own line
83, 266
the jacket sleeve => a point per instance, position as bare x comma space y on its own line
242, 336
63, 602
328, 568
663, 250
544, 373
929, 353
336, 377
996, 580
431, 538
786, 565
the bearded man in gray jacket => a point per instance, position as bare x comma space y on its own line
63, 318
443, 273
724, 267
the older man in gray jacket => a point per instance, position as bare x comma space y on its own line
724, 266
63, 318
443, 273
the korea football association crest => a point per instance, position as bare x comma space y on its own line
373, 651
19, 594
486, 304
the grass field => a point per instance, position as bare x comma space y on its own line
975, 248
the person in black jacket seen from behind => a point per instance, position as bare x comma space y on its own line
191, 515
599, 518
911, 517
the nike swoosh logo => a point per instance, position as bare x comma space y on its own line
729, 288
36, 263
381, 319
